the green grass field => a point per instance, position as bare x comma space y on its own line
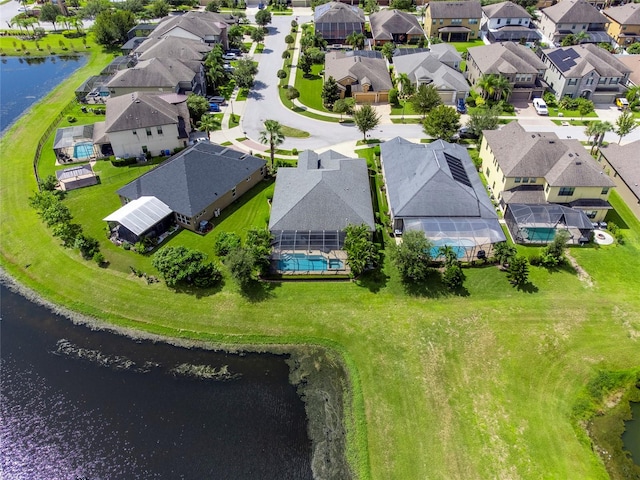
475, 386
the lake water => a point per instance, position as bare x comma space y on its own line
77, 403
631, 435
24, 81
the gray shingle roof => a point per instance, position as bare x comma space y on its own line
445, 9
505, 10
386, 23
579, 60
427, 65
324, 192
628, 14
421, 182
632, 62
141, 110
155, 72
337, 12
365, 70
543, 155
172, 47
574, 11
194, 178
625, 161
201, 24
506, 58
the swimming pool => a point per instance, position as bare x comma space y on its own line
458, 246
309, 263
539, 235
83, 150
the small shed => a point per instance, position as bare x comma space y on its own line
76, 177
143, 217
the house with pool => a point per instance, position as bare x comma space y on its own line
435, 188
313, 204
544, 183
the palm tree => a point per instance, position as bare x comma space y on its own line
579, 37
591, 131
208, 123
487, 85
272, 134
406, 86
356, 40
502, 87
600, 128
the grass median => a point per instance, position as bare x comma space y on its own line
443, 386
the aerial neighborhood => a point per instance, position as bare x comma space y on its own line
428, 210
447, 96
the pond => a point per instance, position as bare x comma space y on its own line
77, 403
631, 435
27, 80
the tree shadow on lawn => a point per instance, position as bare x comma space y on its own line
527, 287
614, 217
373, 280
432, 287
198, 292
258, 291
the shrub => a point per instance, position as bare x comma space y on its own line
393, 97
71, 119
98, 258
294, 151
123, 162
506, 107
535, 259
471, 101
453, 277
226, 242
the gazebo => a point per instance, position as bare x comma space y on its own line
143, 217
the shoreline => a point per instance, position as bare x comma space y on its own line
324, 392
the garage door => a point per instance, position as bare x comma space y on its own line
519, 96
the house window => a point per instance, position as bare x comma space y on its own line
573, 27
233, 192
135, 133
566, 191
183, 219
519, 21
614, 80
602, 81
487, 172
434, 21
159, 130
548, 188
441, 21
591, 213
604, 191
503, 177
144, 149
525, 179
517, 180
148, 132
499, 20
589, 81
572, 81
473, 21
508, 21
533, 180
456, 21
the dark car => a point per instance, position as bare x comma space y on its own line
461, 107
217, 99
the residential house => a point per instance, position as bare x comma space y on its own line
527, 168
624, 23
453, 21
172, 47
518, 63
206, 27
508, 21
435, 188
632, 62
438, 67
395, 26
314, 203
142, 123
622, 165
585, 71
573, 17
199, 182
366, 79
170, 75
335, 21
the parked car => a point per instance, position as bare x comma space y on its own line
214, 107
540, 106
622, 103
217, 99
229, 56
464, 132
461, 107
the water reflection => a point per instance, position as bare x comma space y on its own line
81, 403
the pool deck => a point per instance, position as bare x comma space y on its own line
331, 255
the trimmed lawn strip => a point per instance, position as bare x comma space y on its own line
294, 132
435, 377
310, 88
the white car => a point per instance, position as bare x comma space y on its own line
540, 106
229, 56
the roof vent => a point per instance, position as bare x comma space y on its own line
552, 141
571, 155
578, 162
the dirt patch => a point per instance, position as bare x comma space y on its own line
583, 276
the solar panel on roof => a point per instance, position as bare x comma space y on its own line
564, 59
457, 170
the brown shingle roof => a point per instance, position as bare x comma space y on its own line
624, 160
574, 11
628, 14
386, 23
142, 110
505, 10
366, 70
444, 9
506, 58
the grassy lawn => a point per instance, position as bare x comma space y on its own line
408, 109
294, 132
554, 112
471, 386
60, 45
463, 46
310, 88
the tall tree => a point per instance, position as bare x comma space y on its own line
518, 271
483, 119
198, 106
235, 34
366, 118
625, 124
272, 135
371, 6
599, 130
49, 13
425, 99
412, 257
330, 93
208, 123
184, 265
356, 40
159, 8
244, 72
344, 106
263, 17
487, 85
361, 251
406, 86
305, 63
257, 34
387, 51
442, 122
502, 88
111, 27
94, 7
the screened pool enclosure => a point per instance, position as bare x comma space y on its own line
309, 251
467, 236
538, 224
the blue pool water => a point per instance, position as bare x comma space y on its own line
458, 246
302, 262
539, 235
83, 150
